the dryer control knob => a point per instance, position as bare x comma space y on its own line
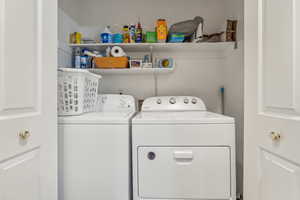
186, 101
194, 101
151, 155
158, 101
172, 100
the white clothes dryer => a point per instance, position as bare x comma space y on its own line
182, 151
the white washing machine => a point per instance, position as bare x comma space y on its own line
181, 151
95, 152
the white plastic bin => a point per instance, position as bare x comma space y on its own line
77, 91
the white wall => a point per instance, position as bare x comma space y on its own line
99, 13
234, 84
192, 76
66, 25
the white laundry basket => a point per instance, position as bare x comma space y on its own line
77, 91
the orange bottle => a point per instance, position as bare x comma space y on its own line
162, 30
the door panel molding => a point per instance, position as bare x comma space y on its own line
20, 176
20, 82
277, 59
285, 173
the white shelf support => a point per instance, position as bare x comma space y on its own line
151, 54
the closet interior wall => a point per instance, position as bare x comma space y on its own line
234, 84
197, 73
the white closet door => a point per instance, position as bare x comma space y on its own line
28, 130
272, 100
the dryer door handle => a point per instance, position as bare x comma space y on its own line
183, 155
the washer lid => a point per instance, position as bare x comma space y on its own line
185, 117
98, 118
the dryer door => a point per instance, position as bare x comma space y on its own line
184, 172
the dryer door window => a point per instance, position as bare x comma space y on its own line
184, 172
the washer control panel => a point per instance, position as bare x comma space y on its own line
173, 103
115, 102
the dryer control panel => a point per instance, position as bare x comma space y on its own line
174, 103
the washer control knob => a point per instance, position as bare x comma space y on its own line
172, 100
194, 101
186, 101
158, 101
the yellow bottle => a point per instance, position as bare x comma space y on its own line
78, 37
126, 36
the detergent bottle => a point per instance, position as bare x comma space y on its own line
106, 35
